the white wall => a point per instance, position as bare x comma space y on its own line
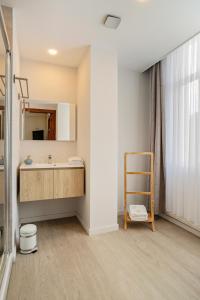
83, 133
133, 127
104, 145
97, 139
47, 209
48, 82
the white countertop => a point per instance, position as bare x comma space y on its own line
66, 165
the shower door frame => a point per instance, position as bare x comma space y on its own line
7, 150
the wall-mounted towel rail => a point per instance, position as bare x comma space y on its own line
20, 80
2, 77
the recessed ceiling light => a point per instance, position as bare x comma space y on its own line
52, 51
112, 21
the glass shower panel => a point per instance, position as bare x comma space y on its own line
3, 218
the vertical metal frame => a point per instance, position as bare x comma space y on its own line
7, 144
8, 152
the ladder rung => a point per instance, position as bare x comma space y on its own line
138, 193
148, 220
138, 173
139, 153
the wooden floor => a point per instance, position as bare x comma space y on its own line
125, 265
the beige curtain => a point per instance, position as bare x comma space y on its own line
156, 140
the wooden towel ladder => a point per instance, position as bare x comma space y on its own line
127, 218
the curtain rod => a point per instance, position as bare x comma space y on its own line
165, 55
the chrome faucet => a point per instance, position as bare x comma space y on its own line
49, 159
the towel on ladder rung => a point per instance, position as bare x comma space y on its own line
138, 213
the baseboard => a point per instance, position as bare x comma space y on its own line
181, 224
85, 227
48, 217
103, 229
98, 230
6, 278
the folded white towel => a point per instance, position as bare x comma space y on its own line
75, 159
138, 212
139, 219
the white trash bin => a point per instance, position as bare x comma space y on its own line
28, 239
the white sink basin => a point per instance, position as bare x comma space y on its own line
66, 165
50, 166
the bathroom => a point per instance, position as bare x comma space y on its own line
84, 78
67, 84
75, 102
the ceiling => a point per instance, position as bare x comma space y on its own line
149, 29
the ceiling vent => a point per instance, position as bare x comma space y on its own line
112, 21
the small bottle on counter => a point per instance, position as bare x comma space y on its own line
28, 160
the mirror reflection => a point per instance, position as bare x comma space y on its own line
43, 120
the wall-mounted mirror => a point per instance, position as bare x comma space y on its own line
44, 120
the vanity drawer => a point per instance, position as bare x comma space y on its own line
68, 183
36, 185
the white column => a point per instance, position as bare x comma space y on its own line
103, 141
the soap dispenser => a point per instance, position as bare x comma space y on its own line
28, 160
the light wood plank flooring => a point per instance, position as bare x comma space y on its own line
126, 265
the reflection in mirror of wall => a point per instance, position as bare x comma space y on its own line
44, 120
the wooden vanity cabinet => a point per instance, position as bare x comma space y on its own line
68, 183
43, 184
36, 185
